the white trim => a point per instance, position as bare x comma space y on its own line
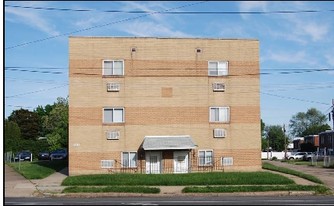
205, 151
221, 109
113, 66
129, 159
220, 72
113, 108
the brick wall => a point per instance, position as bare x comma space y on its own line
165, 90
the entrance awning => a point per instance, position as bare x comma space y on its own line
180, 142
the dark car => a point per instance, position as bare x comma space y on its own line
59, 154
23, 156
45, 155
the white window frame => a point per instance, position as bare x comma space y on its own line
208, 160
221, 112
219, 133
113, 86
218, 87
113, 134
221, 70
112, 116
106, 164
113, 66
129, 165
227, 161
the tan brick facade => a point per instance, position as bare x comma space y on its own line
165, 90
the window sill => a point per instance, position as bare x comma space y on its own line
114, 124
113, 76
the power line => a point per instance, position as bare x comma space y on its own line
22, 67
42, 90
99, 26
285, 97
170, 12
34, 71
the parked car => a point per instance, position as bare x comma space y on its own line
23, 156
59, 154
45, 155
297, 156
308, 156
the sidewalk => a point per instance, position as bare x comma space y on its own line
17, 186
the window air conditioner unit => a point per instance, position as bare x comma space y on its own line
218, 87
112, 135
219, 133
113, 87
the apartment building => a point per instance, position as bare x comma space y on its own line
163, 105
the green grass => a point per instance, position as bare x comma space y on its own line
121, 189
319, 189
38, 169
269, 166
212, 178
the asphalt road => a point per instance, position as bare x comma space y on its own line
178, 200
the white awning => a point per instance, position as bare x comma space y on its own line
180, 142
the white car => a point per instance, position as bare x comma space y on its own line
297, 156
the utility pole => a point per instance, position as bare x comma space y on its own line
283, 129
332, 113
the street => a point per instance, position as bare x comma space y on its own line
177, 200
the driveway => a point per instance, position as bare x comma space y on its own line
324, 174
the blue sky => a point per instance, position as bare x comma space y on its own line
297, 44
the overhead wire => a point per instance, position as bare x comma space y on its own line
100, 26
169, 12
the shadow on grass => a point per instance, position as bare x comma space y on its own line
57, 165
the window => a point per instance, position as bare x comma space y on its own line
113, 115
113, 67
220, 114
205, 158
218, 87
107, 163
227, 161
218, 68
129, 159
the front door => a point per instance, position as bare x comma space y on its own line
180, 162
153, 162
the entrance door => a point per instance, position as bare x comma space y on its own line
153, 162
180, 162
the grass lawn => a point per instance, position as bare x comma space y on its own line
211, 182
269, 166
211, 178
38, 169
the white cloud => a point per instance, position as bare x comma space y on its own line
31, 18
330, 59
140, 28
289, 57
253, 5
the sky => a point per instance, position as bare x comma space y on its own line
296, 45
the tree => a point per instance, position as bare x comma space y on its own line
309, 123
56, 123
276, 137
27, 121
12, 136
264, 142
